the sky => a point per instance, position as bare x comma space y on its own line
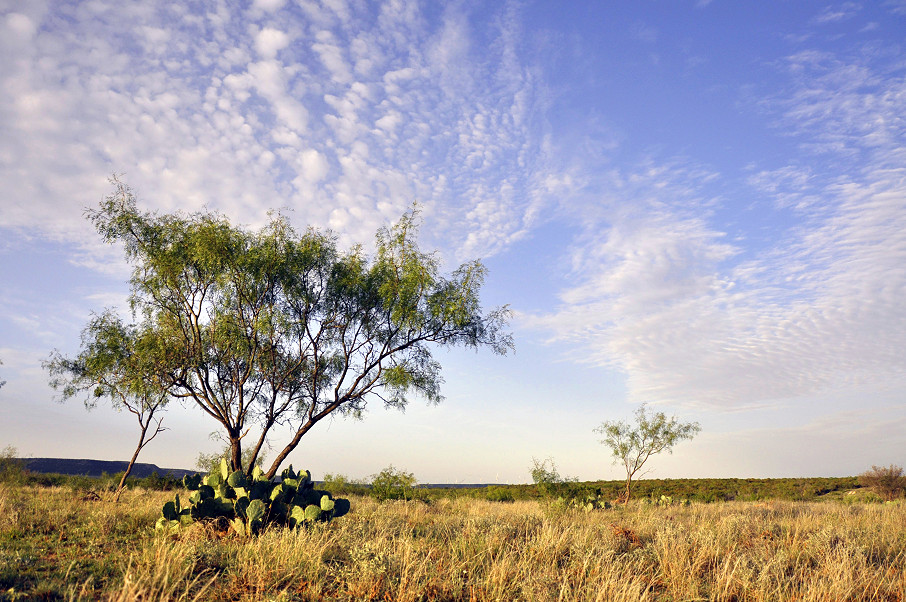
698, 205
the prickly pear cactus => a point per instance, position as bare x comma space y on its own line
253, 503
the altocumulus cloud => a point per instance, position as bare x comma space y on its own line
344, 116
698, 314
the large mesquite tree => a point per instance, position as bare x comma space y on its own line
271, 327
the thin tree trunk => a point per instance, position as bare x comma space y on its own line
122, 485
141, 443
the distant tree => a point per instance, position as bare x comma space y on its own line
269, 328
340, 484
12, 468
120, 363
651, 434
888, 481
393, 484
547, 478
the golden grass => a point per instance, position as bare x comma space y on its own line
475, 550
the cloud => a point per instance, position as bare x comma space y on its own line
20, 25
268, 42
327, 110
269, 5
699, 314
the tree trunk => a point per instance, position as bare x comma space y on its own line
235, 452
122, 485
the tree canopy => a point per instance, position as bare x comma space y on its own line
268, 327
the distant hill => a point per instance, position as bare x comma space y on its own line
96, 468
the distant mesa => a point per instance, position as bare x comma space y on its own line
97, 468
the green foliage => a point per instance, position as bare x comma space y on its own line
888, 481
339, 484
499, 494
633, 445
251, 504
11, 470
272, 327
393, 484
547, 479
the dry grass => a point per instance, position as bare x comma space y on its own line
466, 550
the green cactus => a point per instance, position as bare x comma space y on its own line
255, 512
191, 481
251, 504
260, 490
296, 516
214, 480
170, 512
241, 506
340, 507
224, 469
312, 513
276, 493
237, 479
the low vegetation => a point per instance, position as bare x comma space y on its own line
63, 542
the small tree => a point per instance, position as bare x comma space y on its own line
393, 484
888, 481
116, 362
547, 478
651, 434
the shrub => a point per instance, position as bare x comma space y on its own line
888, 481
339, 484
11, 469
498, 494
393, 484
548, 481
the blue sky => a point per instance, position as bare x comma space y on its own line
700, 205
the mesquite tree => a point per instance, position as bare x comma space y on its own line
632, 445
117, 362
272, 327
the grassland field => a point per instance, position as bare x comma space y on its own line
63, 542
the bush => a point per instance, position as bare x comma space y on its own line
393, 484
339, 484
498, 494
548, 481
888, 481
11, 470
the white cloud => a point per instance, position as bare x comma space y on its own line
20, 25
268, 42
314, 166
269, 5
693, 315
